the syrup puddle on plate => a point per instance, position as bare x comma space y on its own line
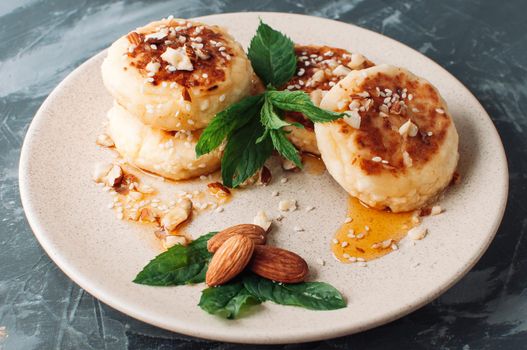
313, 165
370, 234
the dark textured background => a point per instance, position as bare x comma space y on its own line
483, 43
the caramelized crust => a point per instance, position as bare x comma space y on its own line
312, 59
204, 46
175, 74
387, 102
396, 146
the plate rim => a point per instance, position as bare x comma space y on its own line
297, 336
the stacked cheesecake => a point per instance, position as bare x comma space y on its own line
168, 80
395, 148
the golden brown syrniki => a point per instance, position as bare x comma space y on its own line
176, 74
169, 154
398, 146
319, 68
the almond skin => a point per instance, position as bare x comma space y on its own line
217, 189
134, 38
254, 232
265, 176
230, 259
278, 264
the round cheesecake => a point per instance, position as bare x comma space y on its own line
397, 146
176, 74
319, 68
169, 154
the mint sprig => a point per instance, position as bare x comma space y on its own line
272, 56
286, 149
178, 265
226, 122
309, 295
299, 101
188, 265
254, 126
227, 301
235, 298
243, 155
269, 116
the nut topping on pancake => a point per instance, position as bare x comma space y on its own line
319, 68
188, 55
397, 147
397, 114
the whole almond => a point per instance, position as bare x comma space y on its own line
230, 259
278, 264
254, 232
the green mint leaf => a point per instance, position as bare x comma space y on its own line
243, 156
282, 144
309, 295
269, 118
299, 101
228, 300
274, 124
200, 244
200, 276
272, 56
264, 136
226, 121
178, 265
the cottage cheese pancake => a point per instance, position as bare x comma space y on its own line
176, 74
319, 68
169, 154
397, 147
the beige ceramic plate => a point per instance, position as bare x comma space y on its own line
70, 218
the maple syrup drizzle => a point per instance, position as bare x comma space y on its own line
148, 209
370, 234
313, 165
